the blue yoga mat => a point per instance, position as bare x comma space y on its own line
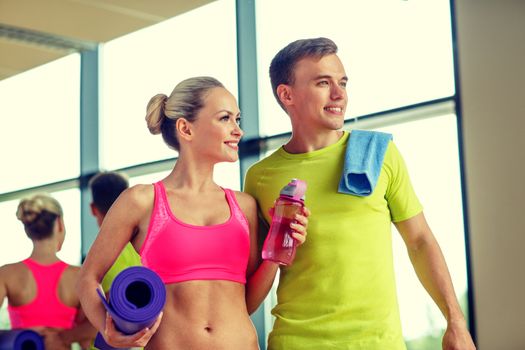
136, 298
21, 339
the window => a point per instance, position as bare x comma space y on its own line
39, 129
395, 53
14, 235
430, 149
18, 246
140, 65
225, 175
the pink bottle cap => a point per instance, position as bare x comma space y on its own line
295, 190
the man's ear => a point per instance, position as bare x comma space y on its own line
284, 92
184, 130
93, 209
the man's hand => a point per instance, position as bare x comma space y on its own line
457, 337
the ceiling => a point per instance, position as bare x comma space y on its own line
34, 32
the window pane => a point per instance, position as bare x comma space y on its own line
228, 175
152, 61
430, 149
148, 178
16, 246
225, 175
39, 128
70, 201
395, 53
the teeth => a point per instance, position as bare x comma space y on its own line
334, 109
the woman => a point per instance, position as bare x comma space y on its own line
41, 289
200, 238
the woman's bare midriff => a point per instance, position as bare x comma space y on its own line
205, 315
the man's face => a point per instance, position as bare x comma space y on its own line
317, 97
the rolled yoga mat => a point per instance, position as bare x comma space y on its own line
136, 298
21, 339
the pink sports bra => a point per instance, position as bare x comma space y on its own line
179, 252
46, 309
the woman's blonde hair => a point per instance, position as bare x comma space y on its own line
185, 101
38, 214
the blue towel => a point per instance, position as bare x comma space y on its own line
364, 156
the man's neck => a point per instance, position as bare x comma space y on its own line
304, 142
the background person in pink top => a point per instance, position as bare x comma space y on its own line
40, 289
200, 238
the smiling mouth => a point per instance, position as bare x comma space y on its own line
234, 145
337, 110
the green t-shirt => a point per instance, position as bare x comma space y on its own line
340, 291
128, 257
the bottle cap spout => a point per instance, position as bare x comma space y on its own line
295, 190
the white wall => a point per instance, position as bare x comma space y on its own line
491, 46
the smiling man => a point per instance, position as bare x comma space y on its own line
340, 291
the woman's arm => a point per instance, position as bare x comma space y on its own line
119, 226
83, 332
260, 275
3, 288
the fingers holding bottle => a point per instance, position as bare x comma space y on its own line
299, 225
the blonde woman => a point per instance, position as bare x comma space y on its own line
199, 237
40, 289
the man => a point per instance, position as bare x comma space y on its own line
105, 188
340, 291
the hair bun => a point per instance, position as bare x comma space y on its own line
155, 113
30, 209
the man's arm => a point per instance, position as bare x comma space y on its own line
431, 269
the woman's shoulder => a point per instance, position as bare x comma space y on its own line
16, 266
245, 200
71, 272
13, 271
72, 268
140, 190
243, 196
11, 268
138, 195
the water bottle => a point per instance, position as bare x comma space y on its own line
279, 245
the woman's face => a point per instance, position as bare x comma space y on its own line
216, 129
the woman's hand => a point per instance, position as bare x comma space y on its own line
120, 340
52, 338
299, 226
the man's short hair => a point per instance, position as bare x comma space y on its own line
105, 188
283, 64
